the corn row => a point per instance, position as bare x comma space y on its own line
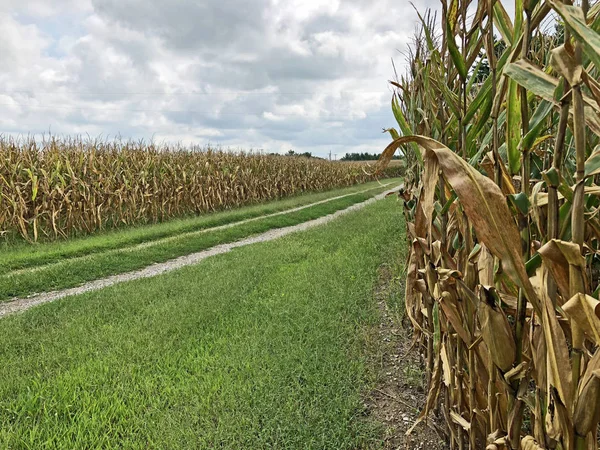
64, 187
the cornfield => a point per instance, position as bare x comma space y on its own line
64, 187
499, 120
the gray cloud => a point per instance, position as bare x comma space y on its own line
208, 26
272, 74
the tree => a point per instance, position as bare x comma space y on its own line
363, 157
483, 70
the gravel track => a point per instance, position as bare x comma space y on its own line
152, 243
22, 304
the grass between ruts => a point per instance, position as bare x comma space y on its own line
263, 347
19, 255
75, 271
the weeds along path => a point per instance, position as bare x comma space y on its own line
22, 304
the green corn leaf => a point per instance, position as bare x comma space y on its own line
551, 177
482, 120
487, 140
404, 128
450, 97
518, 20
393, 133
457, 58
513, 128
592, 165
521, 202
536, 123
532, 265
575, 20
502, 21
480, 98
532, 78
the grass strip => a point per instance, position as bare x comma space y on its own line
21, 255
262, 347
75, 271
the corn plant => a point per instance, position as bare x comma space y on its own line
62, 187
499, 119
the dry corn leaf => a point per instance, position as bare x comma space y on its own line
557, 352
485, 265
563, 61
445, 365
485, 206
461, 421
558, 255
529, 443
448, 305
585, 311
432, 395
496, 331
539, 351
587, 411
430, 181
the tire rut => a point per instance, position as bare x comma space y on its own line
23, 304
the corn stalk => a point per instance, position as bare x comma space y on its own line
501, 134
58, 188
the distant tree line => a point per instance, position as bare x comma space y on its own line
293, 153
347, 157
305, 154
363, 157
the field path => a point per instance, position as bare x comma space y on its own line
163, 240
22, 304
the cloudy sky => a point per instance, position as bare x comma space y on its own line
308, 75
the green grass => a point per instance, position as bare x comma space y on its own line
75, 271
262, 347
16, 255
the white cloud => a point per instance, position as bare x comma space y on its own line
272, 74
44, 8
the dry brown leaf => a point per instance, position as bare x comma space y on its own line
430, 181
485, 265
557, 352
535, 208
585, 311
432, 395
485, 205
448, 305
540, 199
489, 163
593, 85
563, 61
587, 411
445, 364
559, 425
459, 420
410, 293
558, 255
529, 443
496, 331
538, 349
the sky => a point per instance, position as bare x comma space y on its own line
271, 75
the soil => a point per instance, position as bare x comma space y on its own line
399, 394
